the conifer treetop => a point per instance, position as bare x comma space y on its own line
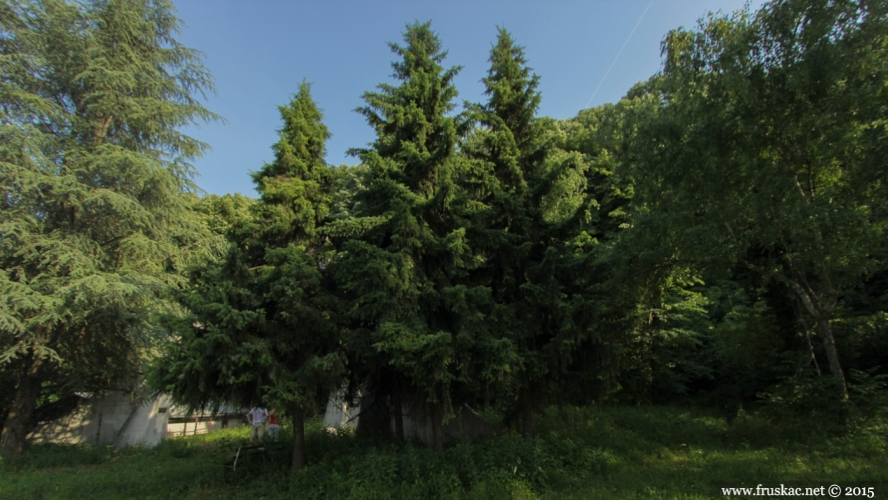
401, 115
511, 87
301, 149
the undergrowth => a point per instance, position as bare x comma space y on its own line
637, 452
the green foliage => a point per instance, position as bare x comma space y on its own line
261, 322
766, 151
95, 225
806, 399
637, 452
523, 190
663, 354
221, 213
416, 316
692, 242
260, 325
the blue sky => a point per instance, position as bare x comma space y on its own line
259, 51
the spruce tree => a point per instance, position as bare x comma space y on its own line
262, 322
93, 168
507, 153
406, 275
529, 193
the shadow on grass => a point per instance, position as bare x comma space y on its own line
638, 452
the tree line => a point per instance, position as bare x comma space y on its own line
716, 237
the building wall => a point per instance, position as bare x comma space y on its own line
111, 419
181, 427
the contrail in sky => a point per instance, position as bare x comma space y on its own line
618, 53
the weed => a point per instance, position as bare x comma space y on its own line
627, 452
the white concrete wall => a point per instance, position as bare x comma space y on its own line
340, 414
202, 426
146, 425
112, 419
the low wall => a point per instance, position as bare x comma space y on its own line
193, 426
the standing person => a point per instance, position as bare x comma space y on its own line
274, 425
257, 417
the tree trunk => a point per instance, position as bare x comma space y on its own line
399, 415
811, 349
821, 314
298, 438
438, 426
15, 429
526, 415
832, 355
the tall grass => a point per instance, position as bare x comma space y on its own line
637, 452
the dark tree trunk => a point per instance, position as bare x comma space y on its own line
438, 426
15, 429
298, 438
399, 415
526, 415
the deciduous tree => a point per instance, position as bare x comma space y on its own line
769, 149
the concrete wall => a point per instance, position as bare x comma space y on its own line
340, 414
192, 428
111, 419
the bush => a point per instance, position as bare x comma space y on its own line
813, 400
605, 453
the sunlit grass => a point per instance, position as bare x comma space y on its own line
637, 452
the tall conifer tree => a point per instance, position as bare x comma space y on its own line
518, 177
406, 275
92, 169
508, 152
262, 323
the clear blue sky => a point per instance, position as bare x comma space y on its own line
259, 51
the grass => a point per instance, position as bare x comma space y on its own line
588, 453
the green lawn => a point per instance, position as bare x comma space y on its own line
637, 452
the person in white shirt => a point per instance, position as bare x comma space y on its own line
257, 417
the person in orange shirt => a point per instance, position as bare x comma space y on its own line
274, 425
